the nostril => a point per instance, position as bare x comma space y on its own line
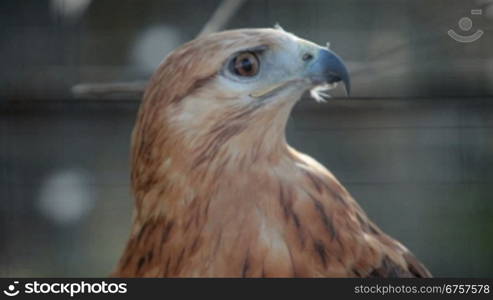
307, 57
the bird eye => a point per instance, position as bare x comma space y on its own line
246, 64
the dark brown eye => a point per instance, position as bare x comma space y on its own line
246, 64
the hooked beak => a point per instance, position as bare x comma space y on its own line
329, 68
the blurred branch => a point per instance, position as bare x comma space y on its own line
224, 12
101, 89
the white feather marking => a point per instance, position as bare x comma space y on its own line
278, 27
319, 93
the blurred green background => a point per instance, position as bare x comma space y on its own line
413, 144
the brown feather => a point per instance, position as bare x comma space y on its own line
219, 193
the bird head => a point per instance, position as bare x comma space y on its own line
227, 94
250, 66
261, 66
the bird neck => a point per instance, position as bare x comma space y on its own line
170, 168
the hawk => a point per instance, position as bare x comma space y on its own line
220, 193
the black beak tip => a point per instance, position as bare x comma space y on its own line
344, 78
337, 70
347, 87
